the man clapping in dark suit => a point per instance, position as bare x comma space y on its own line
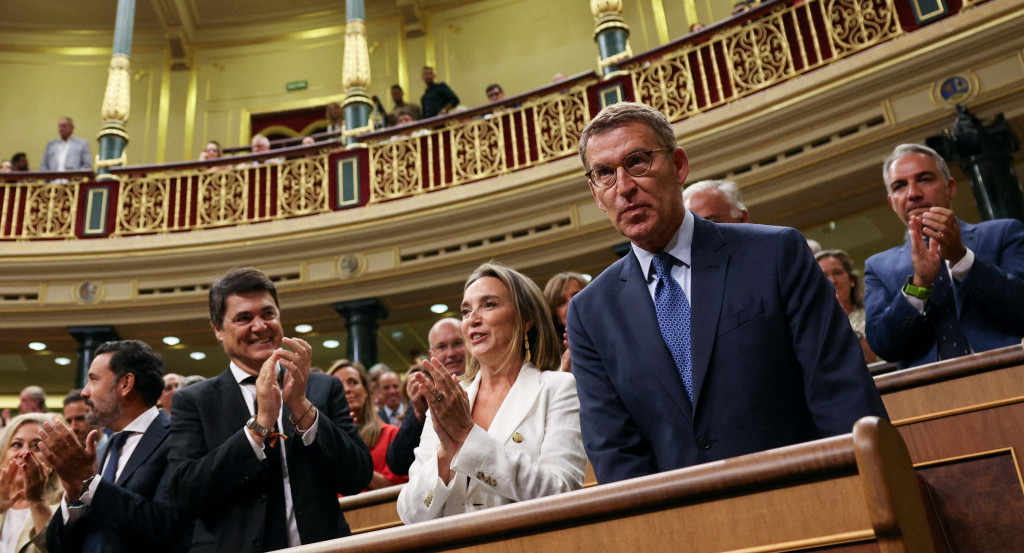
706, 341
124, 506
260, 453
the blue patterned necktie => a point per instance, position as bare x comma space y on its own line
942, 311
673, 318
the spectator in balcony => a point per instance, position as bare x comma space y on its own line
558, 291
19, 162
512, 388
438, 98
837, 267
952, 288
765, 358
716, 200
401, 106
495, 93
260, 144
212, 150
376, 434
67, 153
335, 118
6, 166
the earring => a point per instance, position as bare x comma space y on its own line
526, 341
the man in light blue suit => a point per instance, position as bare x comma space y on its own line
757, 355
952, 288
67, 153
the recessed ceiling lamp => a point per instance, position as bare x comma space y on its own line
172, 340
36, 346
302, 329
331, 344
62, 361
438, 308
197, 355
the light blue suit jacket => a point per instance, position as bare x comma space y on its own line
78, 159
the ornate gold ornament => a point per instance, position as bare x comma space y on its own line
117, 97
355, 71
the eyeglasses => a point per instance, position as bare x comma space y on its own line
636, 164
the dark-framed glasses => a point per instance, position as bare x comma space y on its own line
636, 164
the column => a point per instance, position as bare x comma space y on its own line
361, 318
611, 34
113, 135
89, 338
355, 73
985, 153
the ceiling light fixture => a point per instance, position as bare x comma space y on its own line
36, 346
438, 308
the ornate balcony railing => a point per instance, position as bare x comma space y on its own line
764, 47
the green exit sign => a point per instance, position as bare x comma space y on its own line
296, 85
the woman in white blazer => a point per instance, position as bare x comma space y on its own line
510, 431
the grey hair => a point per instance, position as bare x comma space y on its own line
617, 115
906, 149
728, 188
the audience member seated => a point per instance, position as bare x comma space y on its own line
838, 269
558, 291
29, 488
495, 93
335, 118
952, 288
438, 98
6, 166
448, 347
76, 413
190, 380
401, 106
172, 381
259, 145
19, 161
213, 151
716, 200
393, 408
510, 431
67, 153
32, 399
376, 434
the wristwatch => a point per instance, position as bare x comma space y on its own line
919, 292
88, 482
256, 427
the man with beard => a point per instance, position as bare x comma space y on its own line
447, 346
124, 506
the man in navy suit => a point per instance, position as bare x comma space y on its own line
67, 153
260, 453
757, 355
952, 288
124, 505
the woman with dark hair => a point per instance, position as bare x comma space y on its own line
557, 292
838, 269
510, 430
375, 433
29, 488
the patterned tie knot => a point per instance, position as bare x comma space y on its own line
663, 263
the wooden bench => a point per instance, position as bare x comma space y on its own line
852, 493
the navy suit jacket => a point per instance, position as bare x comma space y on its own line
133, 514
217, 478
990, 300
78, 158
775, 361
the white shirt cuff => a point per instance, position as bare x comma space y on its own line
959, 271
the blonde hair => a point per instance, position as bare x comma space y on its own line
530, 307
52, 489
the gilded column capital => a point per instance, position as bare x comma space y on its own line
117, 97
603, 7
356, 64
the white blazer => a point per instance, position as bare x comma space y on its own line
533, 448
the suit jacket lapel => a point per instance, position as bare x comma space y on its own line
635, 305
517, 404
235, 411
709, 264
155, 435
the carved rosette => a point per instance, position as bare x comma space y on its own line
142, 206
356, 69
856, 24
117, 97
560, 120
49, 210
223, 198
478, 150
395, 169
299, 187
668, 86
759, 55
